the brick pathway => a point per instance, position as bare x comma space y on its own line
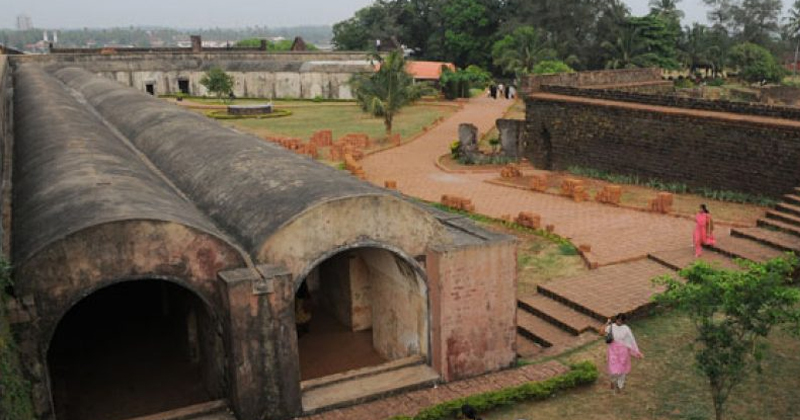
614, 234
412, 402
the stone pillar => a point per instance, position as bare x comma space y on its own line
511, 137
468, 141
473, 307
197, 43
263, 45
264, 370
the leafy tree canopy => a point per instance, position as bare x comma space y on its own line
733, 313
552, 66
218, 82
756, 64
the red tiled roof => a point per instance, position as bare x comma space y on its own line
427, 70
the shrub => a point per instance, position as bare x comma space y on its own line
552, 66
581, 374
454, 147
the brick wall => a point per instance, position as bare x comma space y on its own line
6, 145
593, 78
679, 102
757, 158
473, 305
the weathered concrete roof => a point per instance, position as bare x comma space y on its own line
71, 172
184, 61
248, 186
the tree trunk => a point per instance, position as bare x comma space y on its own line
387, 122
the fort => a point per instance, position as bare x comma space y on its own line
160, 253
256, 73
626, 128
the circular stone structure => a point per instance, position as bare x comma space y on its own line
259, 109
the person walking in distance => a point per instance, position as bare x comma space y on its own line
703, 230
621, 345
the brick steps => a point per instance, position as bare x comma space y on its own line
526, 348
776, 239
746, 248
212, 410
678, 259
788, 218
558, 314
609, 290
792, 208
540, 331
368, 388
792, 199
780, 226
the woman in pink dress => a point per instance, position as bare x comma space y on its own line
703, 230
620, 351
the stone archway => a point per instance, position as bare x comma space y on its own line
367, 306
135, 348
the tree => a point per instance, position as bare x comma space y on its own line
552, 66
645, 41
520, 51
218, 82
387, 90
756, 64
733, 312
793, 30
667, 9
696, 48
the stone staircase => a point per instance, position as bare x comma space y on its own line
366, 384
569, 312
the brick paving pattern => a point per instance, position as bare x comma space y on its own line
614, 234
610, 290
412, 402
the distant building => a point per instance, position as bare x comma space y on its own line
24, 23
427, 70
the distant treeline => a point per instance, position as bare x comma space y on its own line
158, 37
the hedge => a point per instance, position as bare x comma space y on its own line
582, 373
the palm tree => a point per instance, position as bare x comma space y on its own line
387, 90
667, 8
627, 49
520, 51
696, 50
794, 31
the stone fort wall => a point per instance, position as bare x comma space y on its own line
6, 145
746, 153
639, 80
305, 75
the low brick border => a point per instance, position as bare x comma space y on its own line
411, 403
622, 206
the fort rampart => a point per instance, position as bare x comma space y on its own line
296, 74
718, 150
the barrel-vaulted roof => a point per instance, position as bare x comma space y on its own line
248, 186
72, 172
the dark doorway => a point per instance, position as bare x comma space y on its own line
183, 86
134, 349
150, 88
360, 308
547, 149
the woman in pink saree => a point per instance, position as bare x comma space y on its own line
620, 351
703, 230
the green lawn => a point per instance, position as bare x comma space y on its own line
342, 118
665, 385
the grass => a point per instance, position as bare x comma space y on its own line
539, 259
342, 118
665, 385
673, 187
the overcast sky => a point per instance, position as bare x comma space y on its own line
213, 13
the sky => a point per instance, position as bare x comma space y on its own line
213, 13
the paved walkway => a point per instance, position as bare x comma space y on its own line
614, 234
411, 403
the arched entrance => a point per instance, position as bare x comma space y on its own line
132, 349
358, 308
